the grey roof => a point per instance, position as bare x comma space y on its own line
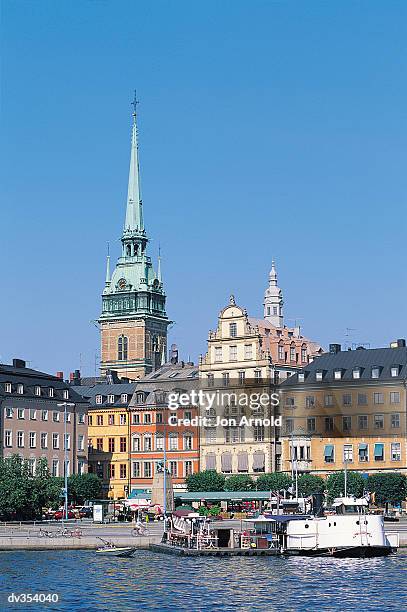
347, 361
170, 377
104, 389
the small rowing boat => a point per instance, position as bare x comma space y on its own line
110, 549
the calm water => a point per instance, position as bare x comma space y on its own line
151, 581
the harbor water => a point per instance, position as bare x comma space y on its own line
149, 581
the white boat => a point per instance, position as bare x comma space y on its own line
112, 550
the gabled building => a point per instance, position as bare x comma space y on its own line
347, 407
133, 321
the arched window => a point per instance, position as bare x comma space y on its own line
122, 348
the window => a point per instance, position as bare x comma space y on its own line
328, 400
290, 401
65, 394
159, 442
8, 439
233, 330
140, 398
20, 439
226, 379
123, 445
395, 451
394, 397
233, 353
123, 419
362, 421
55, 417
281, 352
395, 420
347, 399
124, 398
147, 418
292, 353
37, 390
187, 442
44, 415
211, 380
147, 469
81, 442
147, 443
257, 376
356, 372
301, 377
44, 440
304, 355
33, 439
318, 375
187, 416
9, 413
111, 445
31, 466
378, 421
122, 348
337, 374
242, 378
329, 424
394, 371
90, 419
289, 425
375, 372
362, 399
136, 419
55, 467
379, 451
173, 442
51, 392
7, 387
210, 435
99, 419
136, 469
20, 413
363, 453
188, 468
55, 441
33, 414
110, 399
99, 399
248, 351
258, 433
218, 354
123, 470
68, 417
346, 423
67, 442
99, 444
348, 453
378, 398
329, 453
110, 419
173, 468
20, 389
136, 444
310, 401
311, 424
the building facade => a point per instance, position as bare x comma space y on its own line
32, 419
347, 407
133, 322
154, 425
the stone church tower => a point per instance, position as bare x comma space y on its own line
133, 322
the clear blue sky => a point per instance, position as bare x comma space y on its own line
266, 129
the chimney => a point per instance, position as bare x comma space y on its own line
18, 363
174, 354
334, 349
400, 343
71, 377
60, 375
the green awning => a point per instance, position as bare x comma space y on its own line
378, 449
329, 450
363, 446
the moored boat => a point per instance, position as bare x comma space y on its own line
110, 549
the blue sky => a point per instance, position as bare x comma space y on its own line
267, 129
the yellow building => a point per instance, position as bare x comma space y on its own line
347, 407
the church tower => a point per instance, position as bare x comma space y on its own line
133, 322
273, 300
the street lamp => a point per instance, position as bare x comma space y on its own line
65, 405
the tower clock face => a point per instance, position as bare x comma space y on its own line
122, 283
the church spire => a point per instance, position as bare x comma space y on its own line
134, 211
273, 300
159, 275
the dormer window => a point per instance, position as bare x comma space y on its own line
337, 374
65, 394
123, 398
356, 373
7, 387
394, 371
301, 377
99, 399
140, 398
233, 330
319, 375
375, 372
110, 399
20, 389
37, 390
51, 392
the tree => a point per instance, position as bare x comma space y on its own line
308, 484
390, 487
207, 480
335, 484
84, 486
273, 482
239, 482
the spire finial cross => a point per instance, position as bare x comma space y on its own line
134, 103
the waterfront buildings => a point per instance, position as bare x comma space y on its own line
133, 321
32, 419
154, 424
347, 407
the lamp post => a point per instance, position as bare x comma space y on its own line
65, 405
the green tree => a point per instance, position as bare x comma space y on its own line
390, 487
273, 482
208, 480
335, 484
239, 482
82, 487
308, 484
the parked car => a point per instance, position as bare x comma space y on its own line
60, 514
85, 512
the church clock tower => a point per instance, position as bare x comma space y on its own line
133, 322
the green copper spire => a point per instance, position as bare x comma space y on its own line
134, 212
